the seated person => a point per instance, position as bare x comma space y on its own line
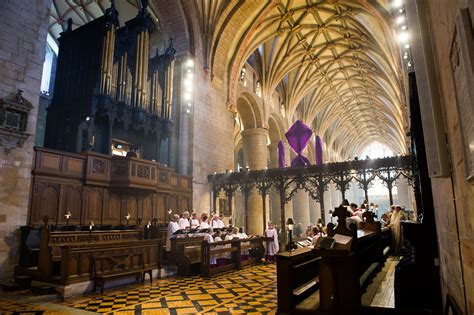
317, 232
173, 226
299, 230
309, 232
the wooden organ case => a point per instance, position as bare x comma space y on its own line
107, 87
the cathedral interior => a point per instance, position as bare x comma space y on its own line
237, 156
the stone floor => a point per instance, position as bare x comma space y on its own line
250, 291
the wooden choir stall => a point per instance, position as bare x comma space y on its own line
95, 218
193, 255
330, 278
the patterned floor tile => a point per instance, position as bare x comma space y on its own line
250, 290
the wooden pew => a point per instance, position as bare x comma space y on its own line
302, 271
52, 242
297, 277
344, 273
253, 245
84, 262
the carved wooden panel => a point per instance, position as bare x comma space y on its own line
73, 166
184, 204
50, 162
173, 203
72, 203
95, 204
161, 208
113, 210
147, 209
129, 205
173, 180
184, 183
48, 202
98, 168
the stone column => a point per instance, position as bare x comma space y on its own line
255, 156
314, 211
274, 196
289, 153
328, 205
301, 208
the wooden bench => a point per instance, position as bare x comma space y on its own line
118, 266
297, 277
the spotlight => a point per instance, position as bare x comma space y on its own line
189, 63
403, 37
400, 19
397, 3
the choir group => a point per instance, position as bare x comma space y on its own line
215, 230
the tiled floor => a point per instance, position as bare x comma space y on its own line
249, 291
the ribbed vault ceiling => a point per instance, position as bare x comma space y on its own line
336, 65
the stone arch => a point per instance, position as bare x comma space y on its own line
248, 110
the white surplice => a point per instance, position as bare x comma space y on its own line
183, 223
172, 227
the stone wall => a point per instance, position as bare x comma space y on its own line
23, 25
455, 220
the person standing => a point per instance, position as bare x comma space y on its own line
173, 226
204, 224
397, 215
272, 244
194, 221
184, 221
299, 230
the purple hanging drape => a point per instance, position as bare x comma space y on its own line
319, 150
281, 155
298, 136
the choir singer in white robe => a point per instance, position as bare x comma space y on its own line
273, 246
184, 221
173, 226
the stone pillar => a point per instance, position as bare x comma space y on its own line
274, 196
404, 193
314, 211
289, 154
301, 208
328, 205
255, 156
